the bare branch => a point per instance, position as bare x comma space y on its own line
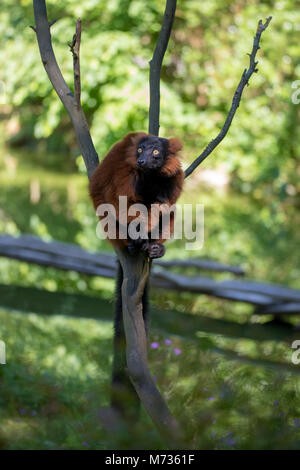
236, 99
66, 96
52, 23
155, 66
75, 49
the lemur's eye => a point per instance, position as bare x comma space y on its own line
140, 150
155, 152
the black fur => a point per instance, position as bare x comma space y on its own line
150, 184
153, 187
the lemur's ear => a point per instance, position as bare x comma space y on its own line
175, 145
133, 137
130, 142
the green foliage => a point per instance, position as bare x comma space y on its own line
55, 384
202, 67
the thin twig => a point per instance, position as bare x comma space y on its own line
52, 23
236, 99
75, 112
75, 49
155, 66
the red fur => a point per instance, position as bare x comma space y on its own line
115, 175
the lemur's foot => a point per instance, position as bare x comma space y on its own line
138, 245
156, 250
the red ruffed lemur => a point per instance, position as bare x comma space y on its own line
147, 170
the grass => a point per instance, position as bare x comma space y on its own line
56, 380
55, 384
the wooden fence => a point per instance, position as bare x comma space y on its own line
266, 298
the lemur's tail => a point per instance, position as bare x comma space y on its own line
123, 394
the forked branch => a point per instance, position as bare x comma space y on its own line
236, 99
155, 66
135, 269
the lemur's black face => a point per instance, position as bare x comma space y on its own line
151, 153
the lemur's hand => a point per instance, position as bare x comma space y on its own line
156, 250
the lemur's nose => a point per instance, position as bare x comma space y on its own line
141, 162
